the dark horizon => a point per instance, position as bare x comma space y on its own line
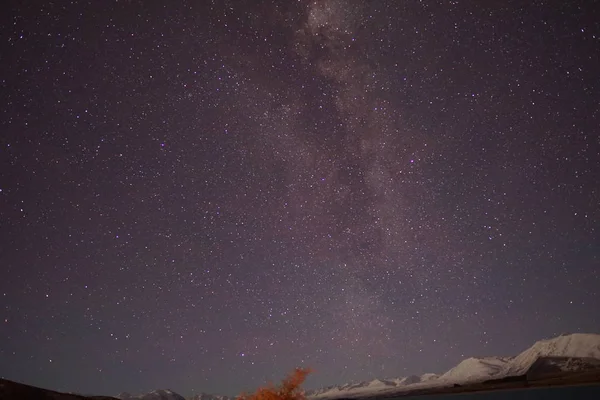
203, 196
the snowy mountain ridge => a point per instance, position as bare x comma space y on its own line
160, 394
474, 369
206, 396
577, 345
569, 352
572, 352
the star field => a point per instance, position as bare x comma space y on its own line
203, 195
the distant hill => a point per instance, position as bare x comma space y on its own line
10, 390
160, 394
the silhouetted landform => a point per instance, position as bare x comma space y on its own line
516, 378
10, 390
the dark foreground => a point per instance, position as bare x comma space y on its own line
589, 392
10, 390
581, 386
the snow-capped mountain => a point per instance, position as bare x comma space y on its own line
154, 395
374, 386
408, 380
565, 353
170, 395
206, 396
428, 377
476, 369
548, 366
375, 383
577, 345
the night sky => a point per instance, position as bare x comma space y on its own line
203, 195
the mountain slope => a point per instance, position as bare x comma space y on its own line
429, 377
374, 386
408, 380
10, 390
474, 369
577, 345
549, 366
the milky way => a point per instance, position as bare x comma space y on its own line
202, 196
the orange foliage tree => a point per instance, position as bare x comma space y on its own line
289, 389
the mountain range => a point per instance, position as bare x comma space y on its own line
170, 395
565, 353
547, 362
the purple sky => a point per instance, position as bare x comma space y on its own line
202, 195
